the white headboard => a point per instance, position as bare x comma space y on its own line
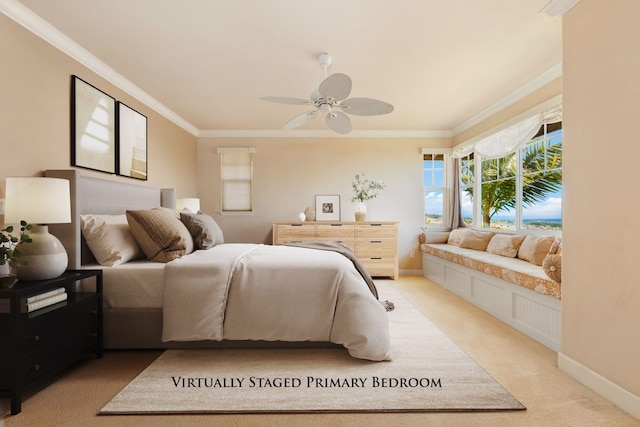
98, 196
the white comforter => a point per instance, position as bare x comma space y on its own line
273, 293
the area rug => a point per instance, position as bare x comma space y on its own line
428, 373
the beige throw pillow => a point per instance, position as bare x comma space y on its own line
552, 266
160, 234
478, 240
535, 248
109, 239
505, 245
455, 236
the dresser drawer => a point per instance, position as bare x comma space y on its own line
335, 231
375, 230
366, 248
379, 266
288, 233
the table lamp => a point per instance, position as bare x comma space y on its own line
193, 204
39, 201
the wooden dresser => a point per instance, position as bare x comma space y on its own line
375, 244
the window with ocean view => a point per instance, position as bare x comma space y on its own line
522, 190
434, 181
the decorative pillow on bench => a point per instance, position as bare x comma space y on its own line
505, 245
478, 240
535, 248
552, 266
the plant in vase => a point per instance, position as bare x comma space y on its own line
364, 189
9, 251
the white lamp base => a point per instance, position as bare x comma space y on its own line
43, 258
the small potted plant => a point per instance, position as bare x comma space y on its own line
364, 189
9, 251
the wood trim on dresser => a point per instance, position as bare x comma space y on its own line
375, 244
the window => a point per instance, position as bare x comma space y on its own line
467, 180
522, 190
434, 181
236, 176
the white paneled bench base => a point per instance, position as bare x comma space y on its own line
530, 312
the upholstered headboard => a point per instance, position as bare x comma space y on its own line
98, 196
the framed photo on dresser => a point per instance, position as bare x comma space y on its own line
328, 207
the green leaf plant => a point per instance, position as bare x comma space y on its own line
9, 243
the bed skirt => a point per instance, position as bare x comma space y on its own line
135, 328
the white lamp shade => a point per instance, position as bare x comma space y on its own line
37, 200
193, 204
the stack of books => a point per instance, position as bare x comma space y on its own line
45, 299
36, 302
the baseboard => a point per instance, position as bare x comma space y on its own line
599, 384
411, 272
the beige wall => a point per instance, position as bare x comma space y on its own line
601, 290
35, 116
289, 172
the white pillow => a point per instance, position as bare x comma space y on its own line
110, 239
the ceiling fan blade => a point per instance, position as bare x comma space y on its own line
285, 100
300, 119
339, 122
337, 86
365, 107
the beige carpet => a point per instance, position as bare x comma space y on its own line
428, 373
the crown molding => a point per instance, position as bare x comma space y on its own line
558, 8
324, 134
32, 22
547, 77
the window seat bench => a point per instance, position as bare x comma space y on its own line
514, 290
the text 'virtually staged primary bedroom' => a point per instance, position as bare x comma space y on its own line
465, 146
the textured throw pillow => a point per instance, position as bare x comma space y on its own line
109, 239
455, 236
205, 230
160, 234
478, 240
552, 266
535, 248
505, 245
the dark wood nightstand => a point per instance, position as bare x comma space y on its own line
36, 345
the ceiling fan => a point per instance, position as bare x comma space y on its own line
331, 99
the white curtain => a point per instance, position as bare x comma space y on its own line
510, 139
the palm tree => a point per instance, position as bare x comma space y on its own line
539, 180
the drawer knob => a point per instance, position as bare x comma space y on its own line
93, 312
376, 241
35, 368
35, 338
376, 257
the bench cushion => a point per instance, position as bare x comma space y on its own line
512, 270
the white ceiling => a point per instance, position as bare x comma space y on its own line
440, 63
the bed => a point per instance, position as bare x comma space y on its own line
229, 295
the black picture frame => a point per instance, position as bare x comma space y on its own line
93, 127
132, 140
327, 207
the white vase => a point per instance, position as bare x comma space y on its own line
302, 216
360, 211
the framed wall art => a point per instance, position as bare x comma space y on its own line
93, 127
327, 207
131, 143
